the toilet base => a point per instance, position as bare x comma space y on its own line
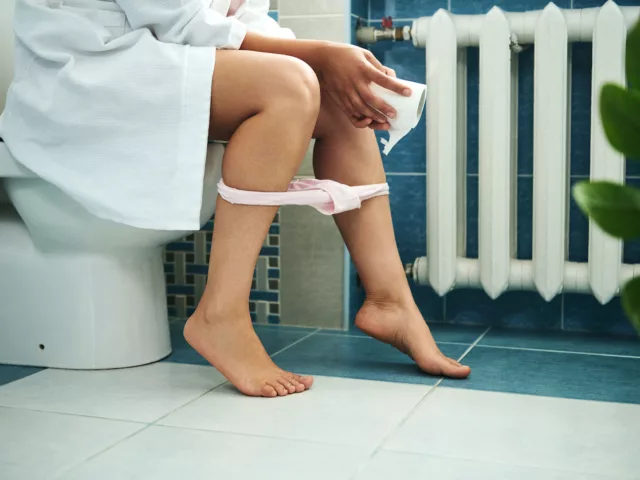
80, 310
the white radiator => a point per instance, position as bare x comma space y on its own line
499, 35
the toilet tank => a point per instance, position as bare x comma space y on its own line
6, 48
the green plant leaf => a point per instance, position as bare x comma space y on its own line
620, 113
633, 57
631, 302
615, 208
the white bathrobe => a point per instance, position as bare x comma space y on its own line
110, 100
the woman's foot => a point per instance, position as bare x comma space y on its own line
231, 345
403, 327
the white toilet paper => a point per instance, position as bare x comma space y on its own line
408, 110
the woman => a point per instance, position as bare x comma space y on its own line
120, 98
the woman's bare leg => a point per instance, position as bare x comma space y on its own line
267, 106
351, 156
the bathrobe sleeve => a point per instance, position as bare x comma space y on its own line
255, 15
185, 22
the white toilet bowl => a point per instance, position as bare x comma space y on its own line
77, 291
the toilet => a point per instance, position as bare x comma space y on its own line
78, 291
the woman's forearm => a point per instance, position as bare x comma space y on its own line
309, 51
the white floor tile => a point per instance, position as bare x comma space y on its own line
335, 410
163, 453
579, 436
409, 466
141, 394
42, 445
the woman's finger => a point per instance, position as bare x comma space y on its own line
361, 122
374, 61
377, 103
364, 109
351, 108
388, 82
338, 102
391, 72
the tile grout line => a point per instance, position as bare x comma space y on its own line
466, 352
81, 415
146, 427
104, 450
414, 409
566, 352
396, 428
367, 337
296, 342
257, 435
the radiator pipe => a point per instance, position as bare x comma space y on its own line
370, 35
580, 23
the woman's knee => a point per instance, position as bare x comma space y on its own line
296, 89
247, 83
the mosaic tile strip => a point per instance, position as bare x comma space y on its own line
186, 263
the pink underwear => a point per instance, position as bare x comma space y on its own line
326, 196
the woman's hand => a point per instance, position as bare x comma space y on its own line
345, 73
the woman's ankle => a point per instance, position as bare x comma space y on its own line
391, 299
213, 311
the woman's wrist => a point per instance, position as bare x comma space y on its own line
316, 53
312, 52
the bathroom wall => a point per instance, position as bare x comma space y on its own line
405, 167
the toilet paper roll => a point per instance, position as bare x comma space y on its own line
408, 110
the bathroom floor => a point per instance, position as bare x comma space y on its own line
537, 406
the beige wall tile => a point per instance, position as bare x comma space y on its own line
317, 28
312, 7
311, 285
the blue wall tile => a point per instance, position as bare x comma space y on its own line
356, 294
360, 8
578, 231
472, 216
525, 111
512, 309
583, 313
354, 26
405, 8
580, 108
264, 296
409, 62
180, 289
632, 248
525, 218
408, 196
473, 99
483, 6
633, 169
598, 3
431, 304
